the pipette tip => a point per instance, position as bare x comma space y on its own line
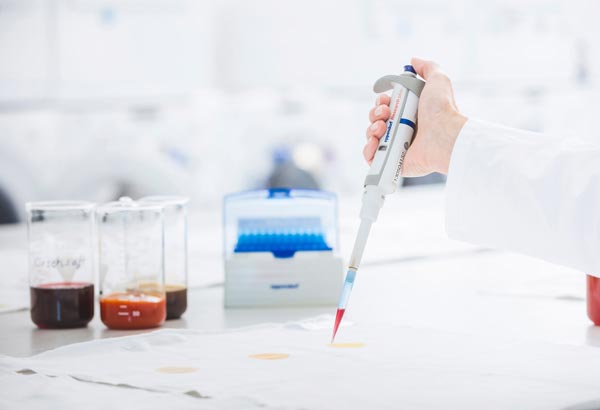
338, 319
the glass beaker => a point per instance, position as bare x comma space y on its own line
131, 263
176, 251
593, 299
61, 263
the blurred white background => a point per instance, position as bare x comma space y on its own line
103, 98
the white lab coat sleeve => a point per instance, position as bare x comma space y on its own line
526, 192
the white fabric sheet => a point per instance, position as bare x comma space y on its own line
398, 367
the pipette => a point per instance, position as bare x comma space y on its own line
385, 172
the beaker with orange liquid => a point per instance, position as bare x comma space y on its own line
131, 264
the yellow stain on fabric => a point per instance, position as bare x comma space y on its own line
176, 370
269, 356
354, 345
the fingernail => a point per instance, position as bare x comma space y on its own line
378, 100
378, 111
373, 127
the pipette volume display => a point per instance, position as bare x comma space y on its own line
384, 175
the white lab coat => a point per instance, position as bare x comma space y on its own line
526, 192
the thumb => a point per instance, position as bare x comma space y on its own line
424, 68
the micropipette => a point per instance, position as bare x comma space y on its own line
385, 172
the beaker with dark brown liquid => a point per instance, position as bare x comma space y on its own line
62, 305
176, 301
175, 217
61, 263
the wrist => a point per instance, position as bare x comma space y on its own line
451, 127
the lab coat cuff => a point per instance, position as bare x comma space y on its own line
460, 174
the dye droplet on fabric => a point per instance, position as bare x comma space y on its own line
269, 356
354, 345
176, 370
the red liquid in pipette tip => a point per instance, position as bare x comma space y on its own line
338, 319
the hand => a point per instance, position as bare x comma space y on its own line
438, 124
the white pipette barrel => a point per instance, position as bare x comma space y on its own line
385, 172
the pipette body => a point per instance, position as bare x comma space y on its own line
385, 172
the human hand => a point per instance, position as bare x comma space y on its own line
438, 124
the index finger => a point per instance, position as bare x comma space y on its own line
382, 99
424, 68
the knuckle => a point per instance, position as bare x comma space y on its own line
442, 77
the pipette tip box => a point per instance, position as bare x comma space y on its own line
281, 248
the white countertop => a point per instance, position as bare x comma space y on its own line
412, 276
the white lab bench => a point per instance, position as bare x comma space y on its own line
413, 277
